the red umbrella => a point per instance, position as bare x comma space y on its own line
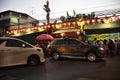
44, 37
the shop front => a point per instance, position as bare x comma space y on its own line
103, 31
67, 32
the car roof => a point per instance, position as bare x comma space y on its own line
66, 39
10, 38
14, 39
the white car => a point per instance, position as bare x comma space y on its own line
14, 51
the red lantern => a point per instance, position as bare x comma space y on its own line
7, 32
88, 21
12, 31
60, 24
99, 20
105, 20
53, 25
110, 19
48, 26
69, 23
64, 24
116, 18
93, 20
73, 23
83, 22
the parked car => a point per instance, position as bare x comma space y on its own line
14, 51
73, 48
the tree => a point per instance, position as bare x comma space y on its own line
47, 10
62, 18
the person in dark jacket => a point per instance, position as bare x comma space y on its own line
111, 47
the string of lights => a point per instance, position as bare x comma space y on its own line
58, 25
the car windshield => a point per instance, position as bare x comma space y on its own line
83, 43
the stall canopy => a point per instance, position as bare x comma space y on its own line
65, 30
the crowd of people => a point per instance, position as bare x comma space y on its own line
111, 47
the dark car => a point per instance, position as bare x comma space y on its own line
73, 48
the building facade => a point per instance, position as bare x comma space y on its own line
10, 20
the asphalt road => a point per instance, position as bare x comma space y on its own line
65, 69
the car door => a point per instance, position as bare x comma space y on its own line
74, 47
7, 53
81, 49
15, 52
63, 47
3, 53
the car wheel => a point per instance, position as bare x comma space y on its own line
91, 56
55, 56
33, 60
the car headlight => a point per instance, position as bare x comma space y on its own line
101, 48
